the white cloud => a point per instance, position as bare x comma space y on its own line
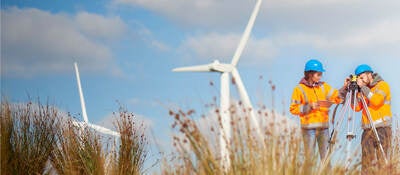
205, 12
380, 37
338, 27
276, 14
148, 37
215, 46
212, 13
38, 42
100, 26
314, 2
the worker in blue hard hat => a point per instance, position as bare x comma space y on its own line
378, 97
311, 101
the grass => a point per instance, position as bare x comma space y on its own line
38, 139
279, 151
133, 150
28, 137
6, 131
77, 152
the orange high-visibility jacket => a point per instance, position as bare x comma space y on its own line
378, 99
304, 95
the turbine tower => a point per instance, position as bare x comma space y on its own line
84, 114
225, 70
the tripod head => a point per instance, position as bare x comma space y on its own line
353, 83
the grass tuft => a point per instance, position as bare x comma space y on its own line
28, 136
279, 151
133, 148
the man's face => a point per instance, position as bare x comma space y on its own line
316, 77
364, 78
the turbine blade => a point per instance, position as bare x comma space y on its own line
81, 125
246, 34
199, 68
83, 106
104, 130
241, 89
246, 99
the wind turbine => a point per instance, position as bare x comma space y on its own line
84, 114
225, 70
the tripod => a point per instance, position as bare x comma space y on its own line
351, 99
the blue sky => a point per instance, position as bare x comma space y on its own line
126, 50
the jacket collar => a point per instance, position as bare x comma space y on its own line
376, 80
305, 82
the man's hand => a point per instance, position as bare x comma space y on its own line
325, 104
346, 82
309, 107
314, 106
360, 82
343, 91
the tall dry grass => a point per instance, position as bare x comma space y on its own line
78, 151
280, 151
6, 130
37, 139
28, 136
133, 149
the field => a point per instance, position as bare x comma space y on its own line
38, 139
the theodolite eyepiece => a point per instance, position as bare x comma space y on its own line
353, 83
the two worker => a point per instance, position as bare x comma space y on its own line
312, 98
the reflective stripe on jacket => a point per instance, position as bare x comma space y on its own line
378, 101
304, 95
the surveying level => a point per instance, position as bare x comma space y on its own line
349, 103
351, 99
353, 83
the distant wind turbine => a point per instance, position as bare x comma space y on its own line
84, 114
225, 70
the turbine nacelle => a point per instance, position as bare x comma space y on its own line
221, 67
215, 66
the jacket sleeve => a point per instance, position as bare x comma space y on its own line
377, 98
332, 94
296, 105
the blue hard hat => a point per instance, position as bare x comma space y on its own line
362, 68
314, 65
